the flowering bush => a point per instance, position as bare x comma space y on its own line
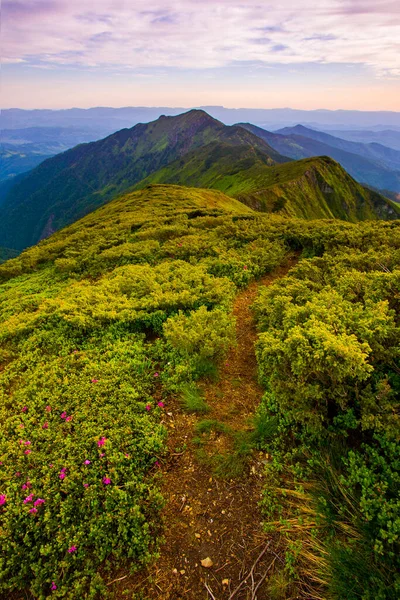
75, 453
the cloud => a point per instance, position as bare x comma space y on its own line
188, 34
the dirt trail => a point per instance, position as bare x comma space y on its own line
207, 516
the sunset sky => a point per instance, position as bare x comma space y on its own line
308, 54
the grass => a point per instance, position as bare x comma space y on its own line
192, 399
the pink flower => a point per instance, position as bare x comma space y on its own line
62, 475
156, 464
101, 442
63, 469
27, 451
85, 485
106, 480
24, 409
156, 375
63, 415
27, 443
72, 549
245, 267
51, 465
26, 485
69, 418
87, 462
95, 380
126, 455
48, 408
28, 499
160, 404
17, 474
75, 352
38, 502
22, 426
148, 407
3, 499
53, 586
45, 425
1, 463
33, 510
102, 454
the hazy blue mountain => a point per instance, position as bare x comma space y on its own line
365, 170
387, 137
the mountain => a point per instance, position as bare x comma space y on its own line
365, 170
312, 189
104, 120
374, 151
387, 137
72, 184
15, 160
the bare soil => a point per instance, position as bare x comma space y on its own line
207, 516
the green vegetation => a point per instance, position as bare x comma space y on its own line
192, 399
93, 320
328, 354
313, 188
104, 320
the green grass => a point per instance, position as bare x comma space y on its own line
192, 399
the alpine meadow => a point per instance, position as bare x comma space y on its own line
200, 308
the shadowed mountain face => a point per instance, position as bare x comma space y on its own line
372, 164
69, 185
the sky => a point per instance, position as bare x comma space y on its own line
305, 54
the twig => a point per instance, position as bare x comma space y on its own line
119, 579
223, 567
209, 591
253, 597
251, 571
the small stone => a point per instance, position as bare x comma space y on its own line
197, 535
175, 571
182, 571
223, 512
225, 582
207, 563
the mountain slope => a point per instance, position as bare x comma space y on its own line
365, 170
374, 151
311, 189
70, 185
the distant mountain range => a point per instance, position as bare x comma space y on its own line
191, 149
371, 164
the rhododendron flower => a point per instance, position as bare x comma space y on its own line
69, 418
17, 474
53, 586
95, 380
33, 510
72, 549
26, 485
101, 441
102, 454
156, 375
45, 425
160, 404
27, 443
126, 455
24, 409
106, 480
38, 502
157, 464
245, 267
62, 475
3, 499
148, 407
28, 499
85, 485
22, 426
87, 462
27, 451
48, 408
63, 415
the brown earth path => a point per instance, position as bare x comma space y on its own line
209, 517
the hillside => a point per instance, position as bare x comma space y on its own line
72, 184
131, 410
365, 167
311, 189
